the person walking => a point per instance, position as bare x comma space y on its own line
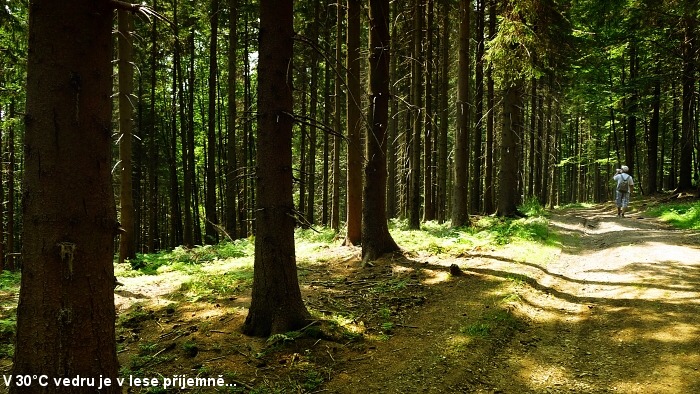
625, 186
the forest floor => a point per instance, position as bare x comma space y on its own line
608, 305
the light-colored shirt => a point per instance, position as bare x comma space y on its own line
626, 176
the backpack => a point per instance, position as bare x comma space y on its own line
624, 186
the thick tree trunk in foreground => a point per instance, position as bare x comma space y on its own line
65, 318
276, 305
376, 239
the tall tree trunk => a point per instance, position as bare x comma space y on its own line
511, 129
188, 225
393, 130
547, 164
212, 235
311, 201
539, 148
231, 164
477, 157
66, 315
428, 207
153, 153
530, 157
335, 201
326, 137
246, 194
489, 188
303, 133
653, 139
631, 141
127, 245
191, 168
276, 303
355, 126
376, 239
10, 249
2, 189
460, 213
174, 189
688, 82
672, 172
417, 112
442, 172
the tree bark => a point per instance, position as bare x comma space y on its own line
417, 67
127, 244
231, 158
393, 131
313, 140
442, 173
338, 124
355, 126
2, 190
190, 168
478, 157
66, 315
153, 154
460, 213
188, 223
653, 140
376, 239
212, 235
489, 187
631, 141
687, 117
428, 207
276, 304
512, 127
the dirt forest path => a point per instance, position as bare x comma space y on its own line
615, 310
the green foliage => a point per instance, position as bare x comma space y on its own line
210, 284
313, 379
149, 264
190, 348
532, 207
499, 319
681, 215
389, 286
136, 315
9, 281
488, 231
316, 235
7, 333
504, 231
476, 330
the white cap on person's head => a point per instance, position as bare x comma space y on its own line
625, 168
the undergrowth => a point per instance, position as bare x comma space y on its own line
149, 264
684, 215
483, 232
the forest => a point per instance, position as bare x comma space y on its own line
136, 136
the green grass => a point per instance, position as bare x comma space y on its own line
9, 281
476, 330
681, 215
149, 264
487, 231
